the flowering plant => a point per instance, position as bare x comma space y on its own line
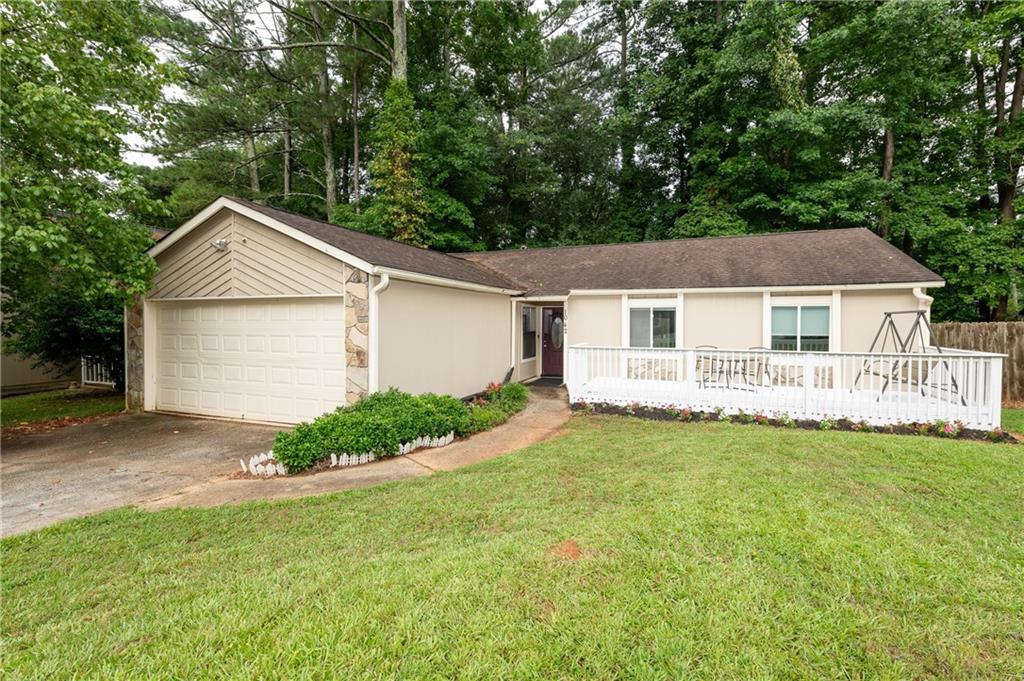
827, 424
761, 419
948, 428
786, 421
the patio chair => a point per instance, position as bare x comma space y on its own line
758, 366
709, 368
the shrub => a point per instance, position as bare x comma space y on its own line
485, 417
786, 421
996, 435
447, 414
512, 397
828, 424
383, 421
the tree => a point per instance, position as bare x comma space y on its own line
80, 77
398, 211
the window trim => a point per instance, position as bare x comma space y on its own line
800, 302
522, 331
652, 304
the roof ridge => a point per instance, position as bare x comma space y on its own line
467, 255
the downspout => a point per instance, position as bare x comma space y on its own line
512, 340
374, 332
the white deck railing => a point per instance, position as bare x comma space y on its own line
94, 373
878, 388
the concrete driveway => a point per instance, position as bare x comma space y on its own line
95, 466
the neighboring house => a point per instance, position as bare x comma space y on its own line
20, 376
261, 314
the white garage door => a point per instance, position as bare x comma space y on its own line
261, 360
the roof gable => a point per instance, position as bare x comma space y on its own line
358, 249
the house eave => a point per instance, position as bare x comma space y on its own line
757, 289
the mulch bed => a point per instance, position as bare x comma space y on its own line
659, 414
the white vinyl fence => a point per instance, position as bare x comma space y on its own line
94, 373
878, 388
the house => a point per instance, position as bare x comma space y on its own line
20, 376
260, 314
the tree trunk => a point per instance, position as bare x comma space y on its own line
250, 162
286, 169
980, 153
399, 58
1006, 179
888, 154
355, 131
326, 124
626, 145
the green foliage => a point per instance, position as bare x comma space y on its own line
399, 209
383, 421
622, 121
66, 324
484, 417
78, 78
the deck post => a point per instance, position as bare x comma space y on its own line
995, 399
808, 365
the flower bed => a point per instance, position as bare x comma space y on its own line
945, 429
387, 424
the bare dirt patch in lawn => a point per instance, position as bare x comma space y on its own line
568, 550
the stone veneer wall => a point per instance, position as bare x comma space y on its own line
134, 367
357, 330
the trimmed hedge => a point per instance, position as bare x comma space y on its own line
380, 423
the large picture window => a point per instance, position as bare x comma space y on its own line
529, 332
652, 327
800, 327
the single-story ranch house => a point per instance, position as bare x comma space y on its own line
260, 314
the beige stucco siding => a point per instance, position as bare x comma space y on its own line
594, 320
444, 340
258, 262
725, 320
862, 315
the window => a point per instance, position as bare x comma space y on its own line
529, 332
800, 327
652, 327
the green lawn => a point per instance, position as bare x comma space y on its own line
709, 550
57, 404
1013, 420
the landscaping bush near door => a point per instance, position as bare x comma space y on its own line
382, 422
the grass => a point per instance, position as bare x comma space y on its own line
622, 548
55, 404
1013, 420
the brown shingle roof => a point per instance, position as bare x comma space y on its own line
385, 252
811, 258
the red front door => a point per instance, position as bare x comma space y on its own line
553, 337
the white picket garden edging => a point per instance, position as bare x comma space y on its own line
877, 388
265, 465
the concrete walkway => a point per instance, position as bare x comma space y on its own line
546, 412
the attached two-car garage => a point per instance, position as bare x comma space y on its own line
278, 360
